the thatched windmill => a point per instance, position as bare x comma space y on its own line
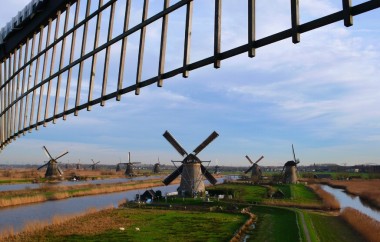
93, 166
256, 171
129, 170
191, 169
156, 167
53, 170
289, 171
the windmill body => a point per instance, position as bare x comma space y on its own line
53, 170
156, 168
289, 171
256, 173
191, 170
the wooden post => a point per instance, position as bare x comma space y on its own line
140, 59
217, 31
251, 27
295, 21
348, 20
164, 33
188, 27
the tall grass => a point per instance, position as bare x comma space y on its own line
34, 226
13, 201
366, 226
329, 201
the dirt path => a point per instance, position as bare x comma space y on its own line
304, 227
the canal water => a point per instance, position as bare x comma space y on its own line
15, 187
17, 217
347, 200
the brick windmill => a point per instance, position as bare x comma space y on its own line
191, 169
53, 170
289, 171
256, 171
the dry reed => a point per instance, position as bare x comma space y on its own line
34, 226
366, 226
329, 201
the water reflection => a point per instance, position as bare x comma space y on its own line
348, 200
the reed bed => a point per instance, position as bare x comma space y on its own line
329, 201
33, 227
366, 226
13, 201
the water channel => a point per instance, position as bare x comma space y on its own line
17, 217
347, 200
15, 187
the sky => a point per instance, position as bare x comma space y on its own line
322, 95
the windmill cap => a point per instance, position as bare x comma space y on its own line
290, 163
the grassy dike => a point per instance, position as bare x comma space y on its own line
48, 193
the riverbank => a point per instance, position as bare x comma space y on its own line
49, 193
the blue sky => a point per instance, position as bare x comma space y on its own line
322, 95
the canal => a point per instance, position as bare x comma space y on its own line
347, 200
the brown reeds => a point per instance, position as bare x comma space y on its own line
245, 227
13, 201
33, 227
366, 226
329, 201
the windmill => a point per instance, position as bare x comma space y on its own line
256, 171
78, 165
216, 168
93, 166
156, 167
191, 168
129, 164
289, 171
53, 170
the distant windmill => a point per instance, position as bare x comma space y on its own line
129, 170
256, 171
216, 168
289, 171
191, 168
78, 165
156, 167
93, 166
53, 170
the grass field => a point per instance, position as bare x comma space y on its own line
294, 194
326, 227
281, 221
142, 225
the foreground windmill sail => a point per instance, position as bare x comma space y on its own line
191, 169
289, 171
256, 171
53, 170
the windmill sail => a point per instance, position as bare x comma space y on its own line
173, 176
208, 175
174, 143
205, 143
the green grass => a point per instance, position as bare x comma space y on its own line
332, 228
154, 225
274, 224
243, 192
